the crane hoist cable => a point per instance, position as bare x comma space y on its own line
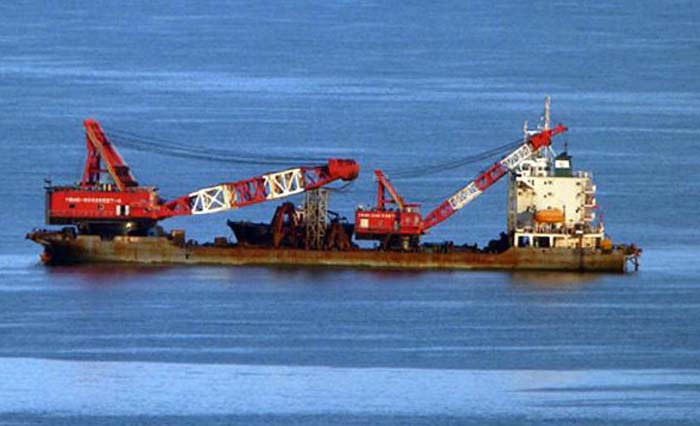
189, 151
341, 190
217, 155
167, 144
419, 171
435, 168
201, 155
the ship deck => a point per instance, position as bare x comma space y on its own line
61, 248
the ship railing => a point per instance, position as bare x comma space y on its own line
562, 230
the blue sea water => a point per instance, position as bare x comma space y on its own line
393, 86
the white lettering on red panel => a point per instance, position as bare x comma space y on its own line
94, 200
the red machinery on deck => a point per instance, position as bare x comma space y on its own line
381, 222
125, 207
403, 226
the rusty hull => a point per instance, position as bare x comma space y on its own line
60, 248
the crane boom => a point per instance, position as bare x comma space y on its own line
476, 187
267, 187
384, 185
109, 207
99, 148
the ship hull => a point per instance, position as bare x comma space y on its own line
70, 249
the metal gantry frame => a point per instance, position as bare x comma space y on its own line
315, 215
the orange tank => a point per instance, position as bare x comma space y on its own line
549, 216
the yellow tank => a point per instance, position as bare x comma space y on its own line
549, 216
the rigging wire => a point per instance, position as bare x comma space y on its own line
438, 167
187, 151
216, 155
164, 143
343, 189
419, 171
196, 154
165, 147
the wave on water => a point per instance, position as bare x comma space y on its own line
126, 388
17, 263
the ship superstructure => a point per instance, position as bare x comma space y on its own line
550, 204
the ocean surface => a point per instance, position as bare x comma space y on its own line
395, 86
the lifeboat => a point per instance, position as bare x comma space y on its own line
549, 216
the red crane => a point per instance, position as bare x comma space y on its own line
403, 226
384, 224
125, 206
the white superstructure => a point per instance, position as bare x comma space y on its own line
550, 205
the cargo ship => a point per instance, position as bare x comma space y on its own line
552, 222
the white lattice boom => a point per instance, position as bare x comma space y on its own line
472, 190
283, 184
228, 196
211, 200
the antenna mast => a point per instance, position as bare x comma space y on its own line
547, 103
